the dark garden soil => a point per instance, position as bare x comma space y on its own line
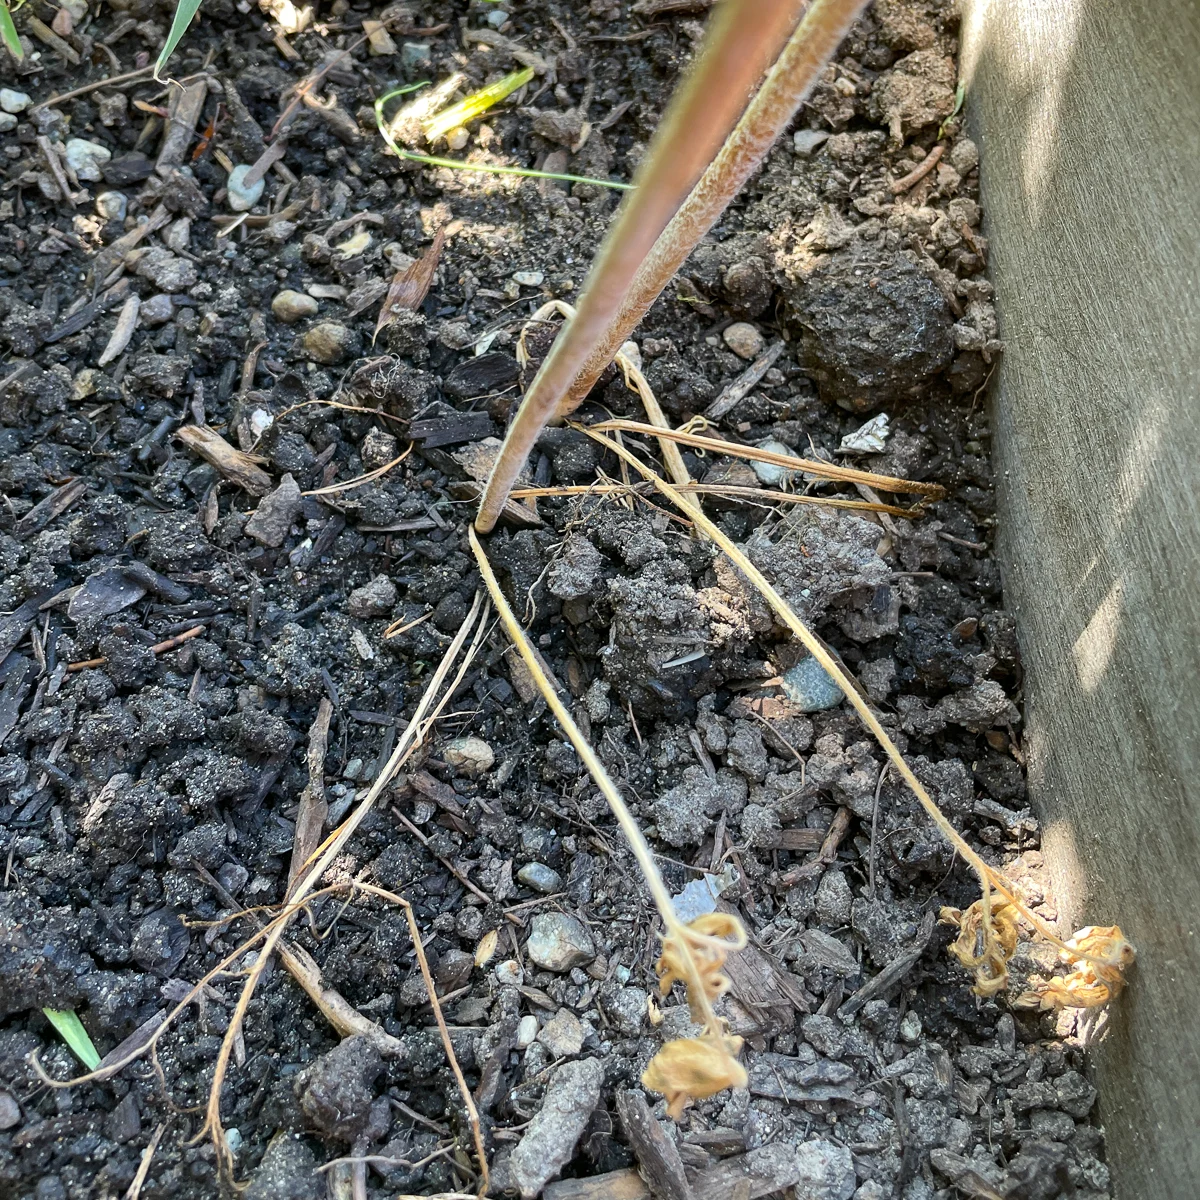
146, 799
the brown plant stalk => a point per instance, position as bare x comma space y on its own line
743, 38
616, 297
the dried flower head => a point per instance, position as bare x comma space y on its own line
705, 941
984, 946
1095, 980
690, 1069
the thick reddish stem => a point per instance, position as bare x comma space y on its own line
744, 37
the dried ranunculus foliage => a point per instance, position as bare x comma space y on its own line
1095, 980
709, 938
984, 946
690, 1069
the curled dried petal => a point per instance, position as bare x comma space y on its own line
984, 948
690, 1069
705, 941
1091, 984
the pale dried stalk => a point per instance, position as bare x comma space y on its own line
447, 1044
629, 827
743, 38
989, 877
791, 79
122, 332
813, 466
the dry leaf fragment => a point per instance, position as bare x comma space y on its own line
710, 938
410, 286
1095, 980
984, 947
690, 1069
487, 947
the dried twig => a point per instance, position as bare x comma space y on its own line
135, 1185
237, 466
358, 481
431, 989
171, 643
915, 176
310, 820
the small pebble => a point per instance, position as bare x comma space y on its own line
469, 756
158, 310
870, 438
497, 18
744, 340
558, 942
527, 1031
234, 1138
374, 599
456, 139
540, 877
112, 206
910, 1027
810, 687
415, 54
529, 278
769, 473
353, 769
509, 972
7, 122
563, 1035
805, 141
86, 158
290, 307
328, 342
178, 234
14, 102
10, 1110
241, 197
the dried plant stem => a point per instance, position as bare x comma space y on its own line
812, 466
989, 877
464, 1091
728, 490
743, 38
414, 733
588, 756
791, 79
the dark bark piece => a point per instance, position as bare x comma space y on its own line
437, 791
478, 376
662, 1168
450, 430
84, 316
15, 625
44, 511
893, 972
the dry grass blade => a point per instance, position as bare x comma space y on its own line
687, 1068
728, 490
989, 877
813, 466
230, 462
799, 67
431, 989
358, 481
410, 286
743, 38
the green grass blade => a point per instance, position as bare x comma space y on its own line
8, 33
455, 165
475, 104
73, 1033
184, 13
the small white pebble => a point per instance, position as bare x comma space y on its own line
527, 1031
529, 278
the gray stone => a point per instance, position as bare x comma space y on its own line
158, 310
7, 122
826, 1171
824, 1034
744, 340
10, 1111
550, 1140
112, 206
470, 756
290, 307
288, 1169
540, 877
527, 1031
271, 520
769, 473
558, 942
168, 272
374, 599
415, 54
242, 198
529, 278
809, 686
833, 899
627, 1009
684, 814
805, 141
564, 1034
14, 102
336, 1092
86, 158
